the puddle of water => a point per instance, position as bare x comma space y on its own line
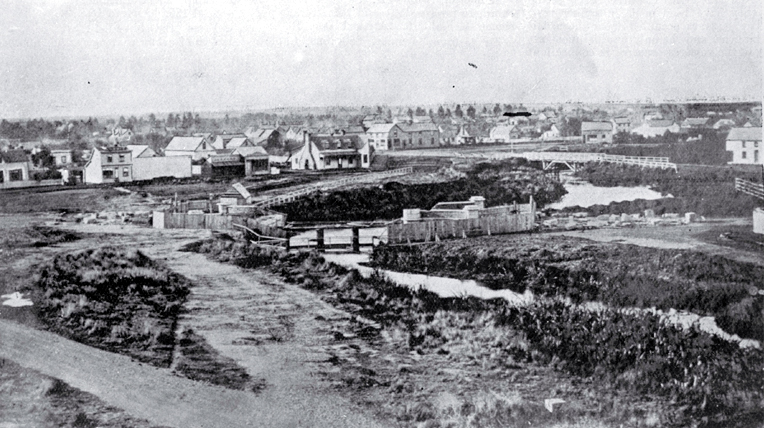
15, 300
443, 287
585, 195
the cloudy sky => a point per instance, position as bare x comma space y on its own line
60, 57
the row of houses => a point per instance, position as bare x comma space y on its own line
225, 155
603, 131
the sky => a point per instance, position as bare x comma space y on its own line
79, 58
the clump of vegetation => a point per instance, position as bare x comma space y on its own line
113, 299
506, 182
198, 360
36, 236
706, 191
619, 275
698, 379
709, 378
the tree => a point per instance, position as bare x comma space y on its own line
430, 113
458, 111
43, 158
496, 109
420, 111
448, 112
471, 112
441, 112
410, 112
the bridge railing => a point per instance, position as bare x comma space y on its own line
295, 194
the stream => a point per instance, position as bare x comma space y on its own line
585, 194
451, 287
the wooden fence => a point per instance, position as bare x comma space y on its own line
749, 187
170, 220
434, 230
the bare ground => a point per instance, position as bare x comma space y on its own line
266, 326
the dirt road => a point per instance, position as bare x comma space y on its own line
228, 306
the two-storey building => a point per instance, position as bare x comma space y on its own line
597, 132
745, 145
109, 165
386, 136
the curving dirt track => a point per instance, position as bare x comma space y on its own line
227, 306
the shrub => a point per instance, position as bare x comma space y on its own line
113, 299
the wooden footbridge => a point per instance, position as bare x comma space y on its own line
573, 160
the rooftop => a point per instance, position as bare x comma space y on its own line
749, 134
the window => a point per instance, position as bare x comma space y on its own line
371, 141
745, 155
126, 172
2, 177
420, 141
432, 141
756, 156
743, 145
121, 158
63, 159
109, 159
15, 175
108, 174
365, 158
756, 144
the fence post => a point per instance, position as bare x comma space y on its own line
288, 237
320, 240
356, 240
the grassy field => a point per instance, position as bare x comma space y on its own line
467, 362
74, 200
582, 270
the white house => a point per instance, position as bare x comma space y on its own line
109, 165
332, 152
656, 128
504, 133
597, 132
14, 166
196, 147
552, 133
385, 136
745, 145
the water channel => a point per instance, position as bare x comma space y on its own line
584, 194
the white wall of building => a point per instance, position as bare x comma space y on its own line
163, 166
